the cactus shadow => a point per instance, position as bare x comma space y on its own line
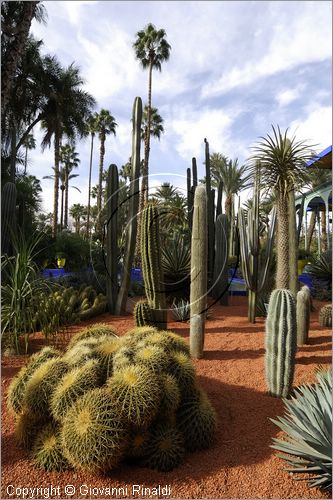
313, 360
9, 448
234, 354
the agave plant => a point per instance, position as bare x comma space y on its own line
321, 268
176, 261
181, 310
308, 425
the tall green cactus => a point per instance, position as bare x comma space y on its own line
255, 270
133, 207
303, 309
151, 265
112, 238
194, 172
219, 199
8, 215
198, 290
210, 214
280, 343
190, 197
293, 244
221, 260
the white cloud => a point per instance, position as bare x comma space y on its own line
286, 96
316, 128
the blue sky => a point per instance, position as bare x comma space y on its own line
235, 68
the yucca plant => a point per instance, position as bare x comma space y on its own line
321, 268
308, 425
176, 262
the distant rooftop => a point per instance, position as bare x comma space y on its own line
322, 160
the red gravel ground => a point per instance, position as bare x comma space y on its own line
239, 465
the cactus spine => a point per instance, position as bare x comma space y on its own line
112, 237
280, 343
250, 251
303, 307
151, 265
198, 291
210, 213
8, 208
133, 206
221, 260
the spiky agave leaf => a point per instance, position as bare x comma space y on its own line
94, 434
73, 385
47, 450
308, 426
136, 392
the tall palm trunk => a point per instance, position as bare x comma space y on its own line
66, 197
228, 206
282, 243
14, 53
62, 187
89, 185
56, 183
77, 225
100, 179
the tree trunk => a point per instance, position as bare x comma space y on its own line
89, 185
312, 225
77, 225
228, 206
27, 131
100, 179
62, 187
56, 183
282, 243
323, 231
13, 155
14, 53
66, 197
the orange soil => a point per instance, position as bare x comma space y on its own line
241, 463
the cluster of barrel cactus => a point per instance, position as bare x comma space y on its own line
67, 306
325, 316
109, 399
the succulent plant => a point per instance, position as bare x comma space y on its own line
123, 357
17, 387
138, 441
104, 352
96, 330
94, 434
26, 428
47, 450
153, 357
40, 386
143, 314
165, 448
139, 332
136, 392
112, 249
303, 309
196, 419
280, 343
171, 342
325, 316
73, 385
171, 396
181, 310
199, 258
181, 367
307, 423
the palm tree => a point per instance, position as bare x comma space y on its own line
126, 170
77, 211
65, 113
151, 48
92, 130
29, 143
70, 159
166, 193
234, 179
106, 125
156, 123
282, 162
16, 18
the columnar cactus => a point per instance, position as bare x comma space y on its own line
303, 308
325, 316
133, 207
293, 245
112, 238
221, 260
219, 199
151, 265
142, 314
198, 291
194, 172
280, 343
8, 208
210, 213
255, 271
190, 197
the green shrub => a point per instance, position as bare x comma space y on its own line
307, 424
